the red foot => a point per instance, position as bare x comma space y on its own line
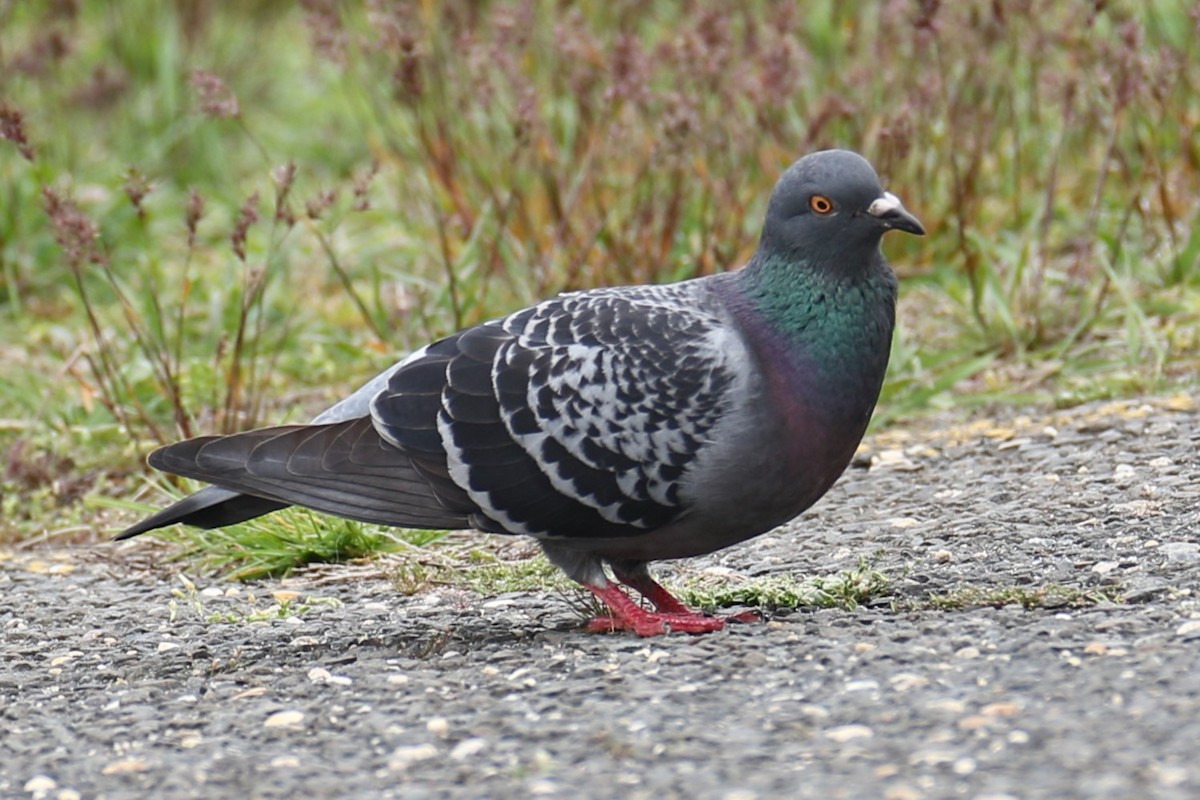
671, 615
656, 624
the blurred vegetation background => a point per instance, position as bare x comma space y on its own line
214, 214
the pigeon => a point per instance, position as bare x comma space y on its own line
615, 426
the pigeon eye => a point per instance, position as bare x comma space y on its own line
820, 204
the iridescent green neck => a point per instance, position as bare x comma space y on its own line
831, 316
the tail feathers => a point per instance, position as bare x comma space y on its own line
212, 507
342, 468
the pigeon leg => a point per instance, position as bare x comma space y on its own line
627, 615
638, 578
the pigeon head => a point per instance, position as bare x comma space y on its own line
828, 209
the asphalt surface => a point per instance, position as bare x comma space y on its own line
121, 679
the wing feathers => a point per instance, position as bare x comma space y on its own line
319, 466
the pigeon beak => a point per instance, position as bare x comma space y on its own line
891, 214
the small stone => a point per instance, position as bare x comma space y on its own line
931, 757
902, 792
1104, 567
908, 680
163, 647
967, 652
40, 784
894, 460
284, 719
1171, 776
405, 756
1000, 710
212, 591
322, 675
438, 726
947, 706
397, 680
1180, 551
286, 596
68, 794
126, 766
846, 733
943, 556
1189, 628
740, 794
863, 685
285, 762
1096, 649
305, 641
253, 691
963, 766
974, 722
813, 711
468, 748
1124, 473
903, 522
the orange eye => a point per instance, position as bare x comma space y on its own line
820, 204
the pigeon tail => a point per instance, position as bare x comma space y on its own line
343, 468
211, 507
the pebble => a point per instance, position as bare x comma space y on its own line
284, 719
1190, 628
40, 784
846, 733
322, 675
405, 756
468, 748
126, 766
1183, 552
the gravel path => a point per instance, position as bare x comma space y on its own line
116, 680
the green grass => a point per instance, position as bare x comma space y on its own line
213, 213
847, 590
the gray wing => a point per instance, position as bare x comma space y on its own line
578, 417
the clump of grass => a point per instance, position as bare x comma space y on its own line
846, 590
276, 544
482, 571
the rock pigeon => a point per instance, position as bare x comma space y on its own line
616, 426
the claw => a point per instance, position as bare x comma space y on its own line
671, 616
